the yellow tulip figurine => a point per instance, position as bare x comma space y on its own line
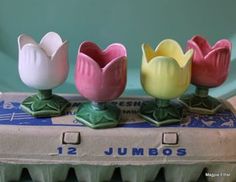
165, 75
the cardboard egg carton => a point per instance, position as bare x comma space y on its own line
49, 147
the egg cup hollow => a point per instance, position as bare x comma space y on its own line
98, 115
45, 104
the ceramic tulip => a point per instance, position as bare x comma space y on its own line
100, 76
43, 67
210, 68
165, 75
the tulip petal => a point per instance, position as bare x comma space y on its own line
223, 43
114, 79
25, 39
33, 54
114, 74
148, 52
197, 55
59, 60
170, 48
219, 59
163, 78
202, 44
34, 67
103, 58
88, 77
188, 56
87, 46
50, 43
113, 52
213, 70
93, 51
85, 65
61, 53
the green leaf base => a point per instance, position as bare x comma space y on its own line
94, 118
161, 116
54, 106
201, 105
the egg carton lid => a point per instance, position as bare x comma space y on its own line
62, 140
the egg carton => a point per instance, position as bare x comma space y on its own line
129, 173
202, 145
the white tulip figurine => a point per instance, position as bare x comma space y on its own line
43, 67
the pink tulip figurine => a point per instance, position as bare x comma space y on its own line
210, 69
100, 76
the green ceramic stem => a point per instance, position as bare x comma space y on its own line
161, 112
44, 104
162, 103
44, 94
98, 106
201, 92
98, 114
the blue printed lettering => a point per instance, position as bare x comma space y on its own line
167, 152
181, 152
109, 151
153, 151
137, 151
122, 151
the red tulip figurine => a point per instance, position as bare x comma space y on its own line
100, 76
210, 67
